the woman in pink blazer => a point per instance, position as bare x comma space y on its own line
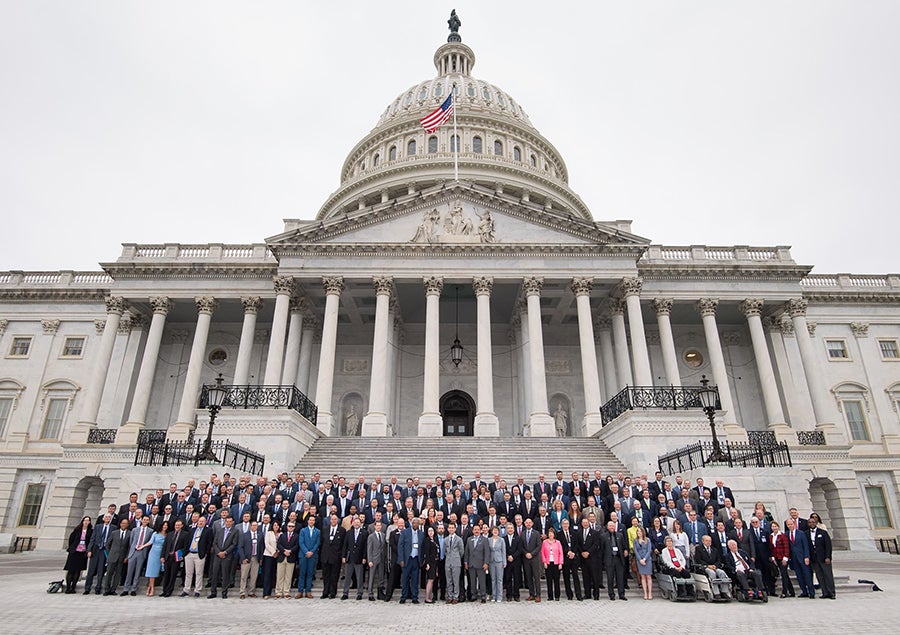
552, 558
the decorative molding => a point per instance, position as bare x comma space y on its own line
261, 336
602, 323
786, 325
860, 329
384, 285
616, 306
206, 304
251, 303
652, 337
811, 328
99, 325
752, 306
50, 326
333, 285
434, 285
284, 285
466, 367
732, 338
848, 389
116, 304
483, 285
582, 285
533, 285
161, 304
558, 366
309, 322
707, 306
663, 306
355, 366
631, 286
3, 325
180, 336
796, 307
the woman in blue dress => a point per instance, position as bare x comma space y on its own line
154, 558
642, 552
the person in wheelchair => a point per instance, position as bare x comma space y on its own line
708, 560
738, 565
673, 563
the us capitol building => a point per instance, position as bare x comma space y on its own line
419, 305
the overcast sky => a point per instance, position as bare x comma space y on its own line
719, 123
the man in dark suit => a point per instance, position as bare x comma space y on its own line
820, 556
742, 570
657, 486
353, 555
117, 544
512, 574
760, 537
199, 544
800, 558
410, 548
614, 548
332, 544
720, 493
169, 497
288, 548
571, 560
225, 543
709, 559
744, 539
173, 554
800, 524
528, 508
125, 509
587, 543
97, 554
531, 545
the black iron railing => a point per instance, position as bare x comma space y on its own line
252, 397
179, 453
102, 436
152, 436
697, 455
811, 437
762, 437
24, 543
888, 545
656, 397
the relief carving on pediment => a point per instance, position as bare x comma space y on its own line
455, 226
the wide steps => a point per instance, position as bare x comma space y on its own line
427, 457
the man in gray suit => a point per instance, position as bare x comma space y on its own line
139, 547
454, 553
375, 559
117, 544
531, 539
221, 571
478, 555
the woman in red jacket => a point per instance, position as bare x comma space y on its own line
780, 555
552, 558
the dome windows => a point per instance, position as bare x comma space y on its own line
411, 148
470, 89
533, 161
476, 145
423, 94
409, 98
500, 100
498, 148
376, 160
517, 153
486, 94
454, 142
438, 90
432, 144
392, 153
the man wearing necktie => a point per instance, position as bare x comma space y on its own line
375, 554
173, 554
309, 544
454, 555
97, 555
354, 556
116, 554
138, 549
532, 561
800, 558
222, 569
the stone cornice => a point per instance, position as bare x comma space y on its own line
479, 250
851, 297
54, 295
163, 270
722, 272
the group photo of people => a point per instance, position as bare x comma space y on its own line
447, 539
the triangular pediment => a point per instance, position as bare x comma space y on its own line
457, 217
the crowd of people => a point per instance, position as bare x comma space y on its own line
446, 539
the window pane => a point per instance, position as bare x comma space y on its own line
31, 506
411, 148
392, 153
878, 507
533, 161
432, 145
476, 145
888, 349
454, 139
56, 412
5, 410
498, 148
20, 346
856, 420
836, 349
73, 347
517, 154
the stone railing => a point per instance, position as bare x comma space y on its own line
850, 282
211, 251
707, 254
65, 278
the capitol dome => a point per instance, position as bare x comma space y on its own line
499, 148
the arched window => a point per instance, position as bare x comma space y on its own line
517, 153
486, 94
409, 98
432, 145
476, 145
533, 161
498, 147
362, 166
438, 90
411, 148
470, 89
454, 142
375, 160
423, 94
392, 153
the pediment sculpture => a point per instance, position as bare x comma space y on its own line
455, 226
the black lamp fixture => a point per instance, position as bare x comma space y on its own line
709, 398
456, 351
215, 398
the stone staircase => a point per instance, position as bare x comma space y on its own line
428, 457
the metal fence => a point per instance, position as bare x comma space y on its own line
252, 397
811, 437
888, 545
655, 397
697, 455
102, 436
179, 453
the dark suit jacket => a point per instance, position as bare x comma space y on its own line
799, 546
607, 541
761, 546
228, 544
354, 550
703, 559
245, 546
569, 545
542, 524
284, 544
116, 546
171, 545
746, 544
820, 549
729, 561
514, 548
526, 512
330, 552
204, 544
532, 546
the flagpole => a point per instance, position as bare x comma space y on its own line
455, 138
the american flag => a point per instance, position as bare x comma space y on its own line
434, 120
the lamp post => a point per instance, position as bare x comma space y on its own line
216, 397
709, 397
456, 351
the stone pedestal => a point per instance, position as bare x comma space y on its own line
128, 433
541, 424
487, 425
431, 425
591, 424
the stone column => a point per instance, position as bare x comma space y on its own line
620, 340
603, 331
115, 306
190, 397
334, 285
431, 424
540, 423
824, 408
631, 290
752, 308
591, 422
486, 422
305, 360
252, 305
663, 307
292, 352
284, 289
521, 322
707, 309
374, 423
395, 323
137, 416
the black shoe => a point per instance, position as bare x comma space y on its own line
133, 593
482, 600
87, 592
402, 601
224, 595
803, 595
344, 597
371, 598
211, 596
783, 595
323, 597
196, 595
358, 598
622, 597
184, 594
123, 594
415, 601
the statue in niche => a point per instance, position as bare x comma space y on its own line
455, 224
426, 231
560, 420
351, 423
486, 227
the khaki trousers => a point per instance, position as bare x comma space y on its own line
249, 572
193, 565
284, 573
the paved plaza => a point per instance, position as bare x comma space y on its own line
24, 578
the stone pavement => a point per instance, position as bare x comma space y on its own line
28, 608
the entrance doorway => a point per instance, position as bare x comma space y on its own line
458, 413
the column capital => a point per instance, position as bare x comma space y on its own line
797, 307
533, 285
631, 286
161, 304
309, 322
707, 306
334, 285
615, 306
298, 304
483, 285
811, 328
206, 304
99, 325
433, 285
860, 329
663, 306
251, 303
284, 285
602, 323
752, 306
115, 304
384, 285
582, 285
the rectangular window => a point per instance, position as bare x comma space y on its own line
73, 347
889, 349
5, 410
20, 347
53, 421
31, 506
837, 349
881, 517
856, 420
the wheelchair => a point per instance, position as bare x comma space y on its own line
669, 587
705, 590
